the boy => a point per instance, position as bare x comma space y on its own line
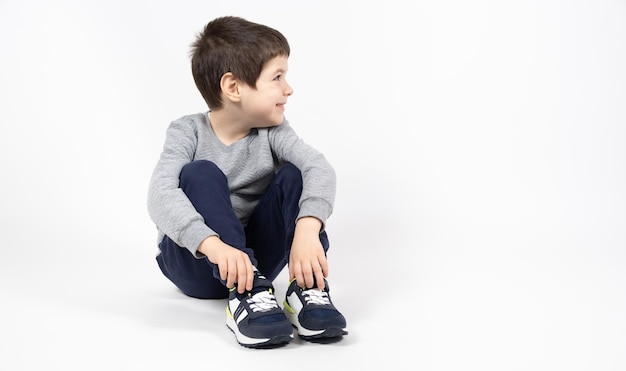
236, 195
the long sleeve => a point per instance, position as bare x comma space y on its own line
168, 207
318, 176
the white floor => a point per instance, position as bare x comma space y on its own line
480, 221
487, 300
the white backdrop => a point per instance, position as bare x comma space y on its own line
481, 213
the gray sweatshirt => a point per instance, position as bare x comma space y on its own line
249, 165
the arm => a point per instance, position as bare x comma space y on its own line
168, 206
318, 176
175, 215
307, 260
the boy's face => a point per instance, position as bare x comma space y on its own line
265, 105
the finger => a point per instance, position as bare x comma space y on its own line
242, 276
232, 275
319, 277
249, 275
223, 271
324, 265
309, 278
297, 273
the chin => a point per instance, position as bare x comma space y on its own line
275, 122
270, 121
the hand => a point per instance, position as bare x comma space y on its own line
234, 265
307, 260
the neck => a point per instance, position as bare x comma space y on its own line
227, 129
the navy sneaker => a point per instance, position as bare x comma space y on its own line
255, 317
312, 313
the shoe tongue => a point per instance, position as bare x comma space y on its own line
260, 284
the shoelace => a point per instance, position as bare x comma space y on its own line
315, 296
262, 301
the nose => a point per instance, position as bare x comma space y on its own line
288, 89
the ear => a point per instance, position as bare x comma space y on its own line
230, 87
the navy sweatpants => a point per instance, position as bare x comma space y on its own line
266, 239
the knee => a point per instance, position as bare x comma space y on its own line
290, 173
200, 168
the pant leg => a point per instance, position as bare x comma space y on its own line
271, 227
206, 187
194, 277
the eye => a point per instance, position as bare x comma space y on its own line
278, 77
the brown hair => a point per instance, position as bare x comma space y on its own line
232, 44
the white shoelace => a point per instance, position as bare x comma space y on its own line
315, 296
262, 301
